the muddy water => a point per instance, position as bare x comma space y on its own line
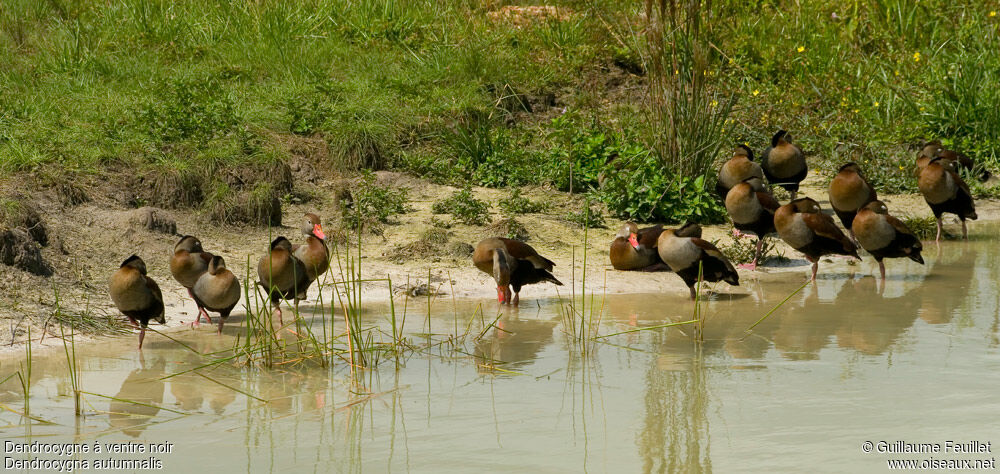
843, 362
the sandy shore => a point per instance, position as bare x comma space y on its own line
90, 240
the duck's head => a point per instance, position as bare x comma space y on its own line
218, 264
311, 226
806, 205
281, 243
188, 243
134, 262
877, 207
743, 150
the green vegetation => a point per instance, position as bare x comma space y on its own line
588, 217
924, 227
373, 204
205, 101
516, 204
464, 207
740, 250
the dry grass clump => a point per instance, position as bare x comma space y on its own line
434, 242
507, 227
153, 220
259, 206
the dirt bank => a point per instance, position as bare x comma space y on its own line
88, 241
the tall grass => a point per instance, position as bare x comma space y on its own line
687, 117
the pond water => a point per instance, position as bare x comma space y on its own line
841, 363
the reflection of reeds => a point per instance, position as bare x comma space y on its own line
775, 308
675, 434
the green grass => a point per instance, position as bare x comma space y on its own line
186, 92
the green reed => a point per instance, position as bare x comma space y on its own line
24, 375
74, 371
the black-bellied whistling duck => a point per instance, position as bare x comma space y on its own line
136, 295
927, 153
784, 164
751, 209
803, 226
282, 275
884, 236
189, 263
635, 248
512, 263
314, 254
850, 191
683, 250
218, 289
934, 149
945, 191
738, 169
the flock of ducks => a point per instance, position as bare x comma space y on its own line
285, 273
753, 209
288, 270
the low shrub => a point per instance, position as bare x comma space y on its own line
516, 204
923, 227
588, 217
372, 204
644, 191
740, 250
464, 207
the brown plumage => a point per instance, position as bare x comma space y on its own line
684, 253
314, 254
850, 191
282, 275
884, 236
738, 169
189, 263
784, 164
512, 263
934, 149
803, 226
635, 248
136, 295
218, 290
945, 191
752, 210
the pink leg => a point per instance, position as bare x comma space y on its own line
881, 270
694, 294
815, 267
756, 255
938, 239
517, 299
142, 335
965, 232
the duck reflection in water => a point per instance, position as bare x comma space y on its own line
142, 385
515, 342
